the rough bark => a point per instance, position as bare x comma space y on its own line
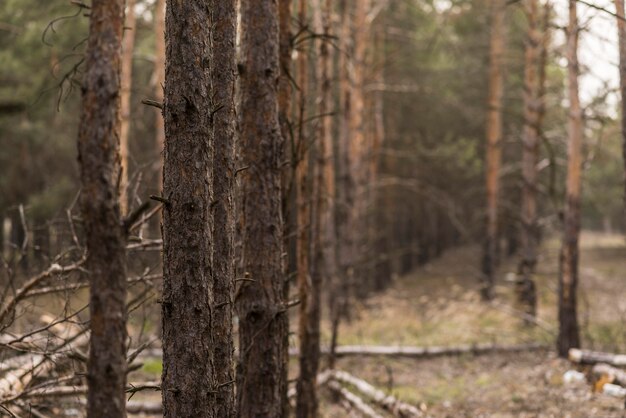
263, 323
128, 46
493, 157
190, 385
98, 156
569, 335
223, 73
621, 31
525, 286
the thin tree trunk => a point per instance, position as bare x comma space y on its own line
263, 323
128, 46
621, 30
308, 326
493, 159
526, 289
159, 83
340, 293
190, 386
223, 78
358, 146
98, 156
569, 335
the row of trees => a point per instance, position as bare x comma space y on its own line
277, 168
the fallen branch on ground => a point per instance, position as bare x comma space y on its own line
387, 402
354, 400
615, 375
425, 352
592, 357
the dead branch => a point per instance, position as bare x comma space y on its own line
36, 280
355, 401
388, 402
592, 357
614, 375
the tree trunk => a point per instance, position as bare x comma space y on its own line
190, 386
592, 357
525, 287
308, 326
128, 45
569, 336
223, 79
344, 182
159, 82
263, 323
98, 156
621, 31
494, 144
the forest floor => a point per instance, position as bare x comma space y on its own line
439, 305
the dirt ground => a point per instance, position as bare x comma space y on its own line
439, 305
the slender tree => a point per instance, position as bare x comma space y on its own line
493, 158
223, 73
621, 31
263, 323
569, 335
159, 83
190, 385
526, 289
308, 325
128, 46
99, 161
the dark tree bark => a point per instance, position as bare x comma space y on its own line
223, 79
263, 323
569, 334
99, 161
190, 386
493, 159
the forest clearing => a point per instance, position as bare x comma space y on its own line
312, 208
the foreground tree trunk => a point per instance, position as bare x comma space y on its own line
621, 31
569, 335
128, 45
526, 289
263, 326
189, 383
223, 79
494, 145
98, 156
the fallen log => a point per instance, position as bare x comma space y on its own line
138, 407
427, 352
614, 375
387, 402
354, 400
592, 357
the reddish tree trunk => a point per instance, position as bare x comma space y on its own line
569, 334
493, 158
98, 156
